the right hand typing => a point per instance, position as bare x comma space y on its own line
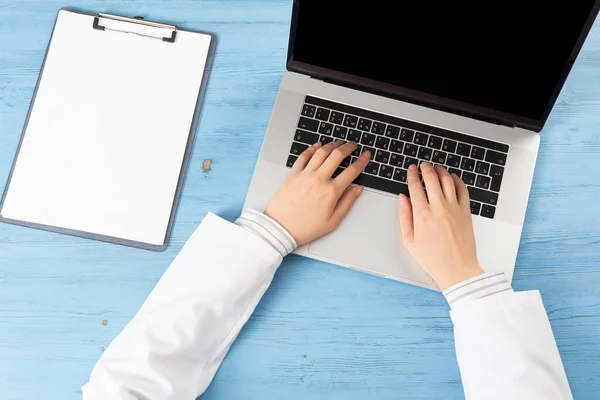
437, 228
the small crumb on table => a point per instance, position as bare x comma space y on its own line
206, 165
104, 322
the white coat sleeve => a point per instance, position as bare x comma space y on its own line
175, 343
504, 343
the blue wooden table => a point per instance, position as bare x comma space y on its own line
321, 332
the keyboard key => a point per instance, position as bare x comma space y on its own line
483, 196
421, 138
306, 137
475, 207
396, 160
400, 175
378, 128
392, 131
298, 148
468, 178
488, 211
496, 173
336, 117
326, 128
407, 135
467, 164
425, 153
322, 114
495, 157
482, 182
477, 152
435, 142
325, 139
378, 183
386, 171
340, 132
370, 149
396, 146
408, 161
382, 142
357, 152
291, 160
453, 161
439, 157
364, 124
354, 135
368, 139
372, 168
454, 171
308, 124
449, 146
463, 149
346, 161
382, 156
308, 110
411, 150
482, 168
350, 121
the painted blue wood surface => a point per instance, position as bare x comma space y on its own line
321, 332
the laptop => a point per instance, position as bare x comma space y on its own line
465, 86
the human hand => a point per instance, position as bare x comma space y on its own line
437, 229
310, 204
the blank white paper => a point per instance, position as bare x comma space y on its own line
108, 130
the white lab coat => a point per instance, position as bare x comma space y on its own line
174, 345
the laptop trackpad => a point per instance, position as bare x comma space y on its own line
369, 240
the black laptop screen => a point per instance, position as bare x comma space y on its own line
504, 56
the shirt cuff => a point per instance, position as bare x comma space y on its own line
484, 285
268, 230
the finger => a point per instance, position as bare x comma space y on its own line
344, 205
462, 193
415, 188
336, 157
351, 172
432, 183
321, 155
447, 183
305, 157
405, 215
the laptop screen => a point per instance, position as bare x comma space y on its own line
504, 56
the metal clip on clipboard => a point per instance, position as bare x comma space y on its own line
135, 20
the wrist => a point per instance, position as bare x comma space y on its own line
267, 229
458, 275
484, 285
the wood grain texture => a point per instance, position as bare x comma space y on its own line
321, 332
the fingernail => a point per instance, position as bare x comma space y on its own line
367, 154
412, 167
318, 144
359, 190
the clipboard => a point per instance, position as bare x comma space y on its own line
110, 129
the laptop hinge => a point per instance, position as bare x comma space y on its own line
411, 100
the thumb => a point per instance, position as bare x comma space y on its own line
462, 193
344, 205
405, 216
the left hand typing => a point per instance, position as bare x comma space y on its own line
309, 203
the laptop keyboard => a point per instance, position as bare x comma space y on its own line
396, 144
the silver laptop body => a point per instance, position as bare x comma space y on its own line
368, 240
